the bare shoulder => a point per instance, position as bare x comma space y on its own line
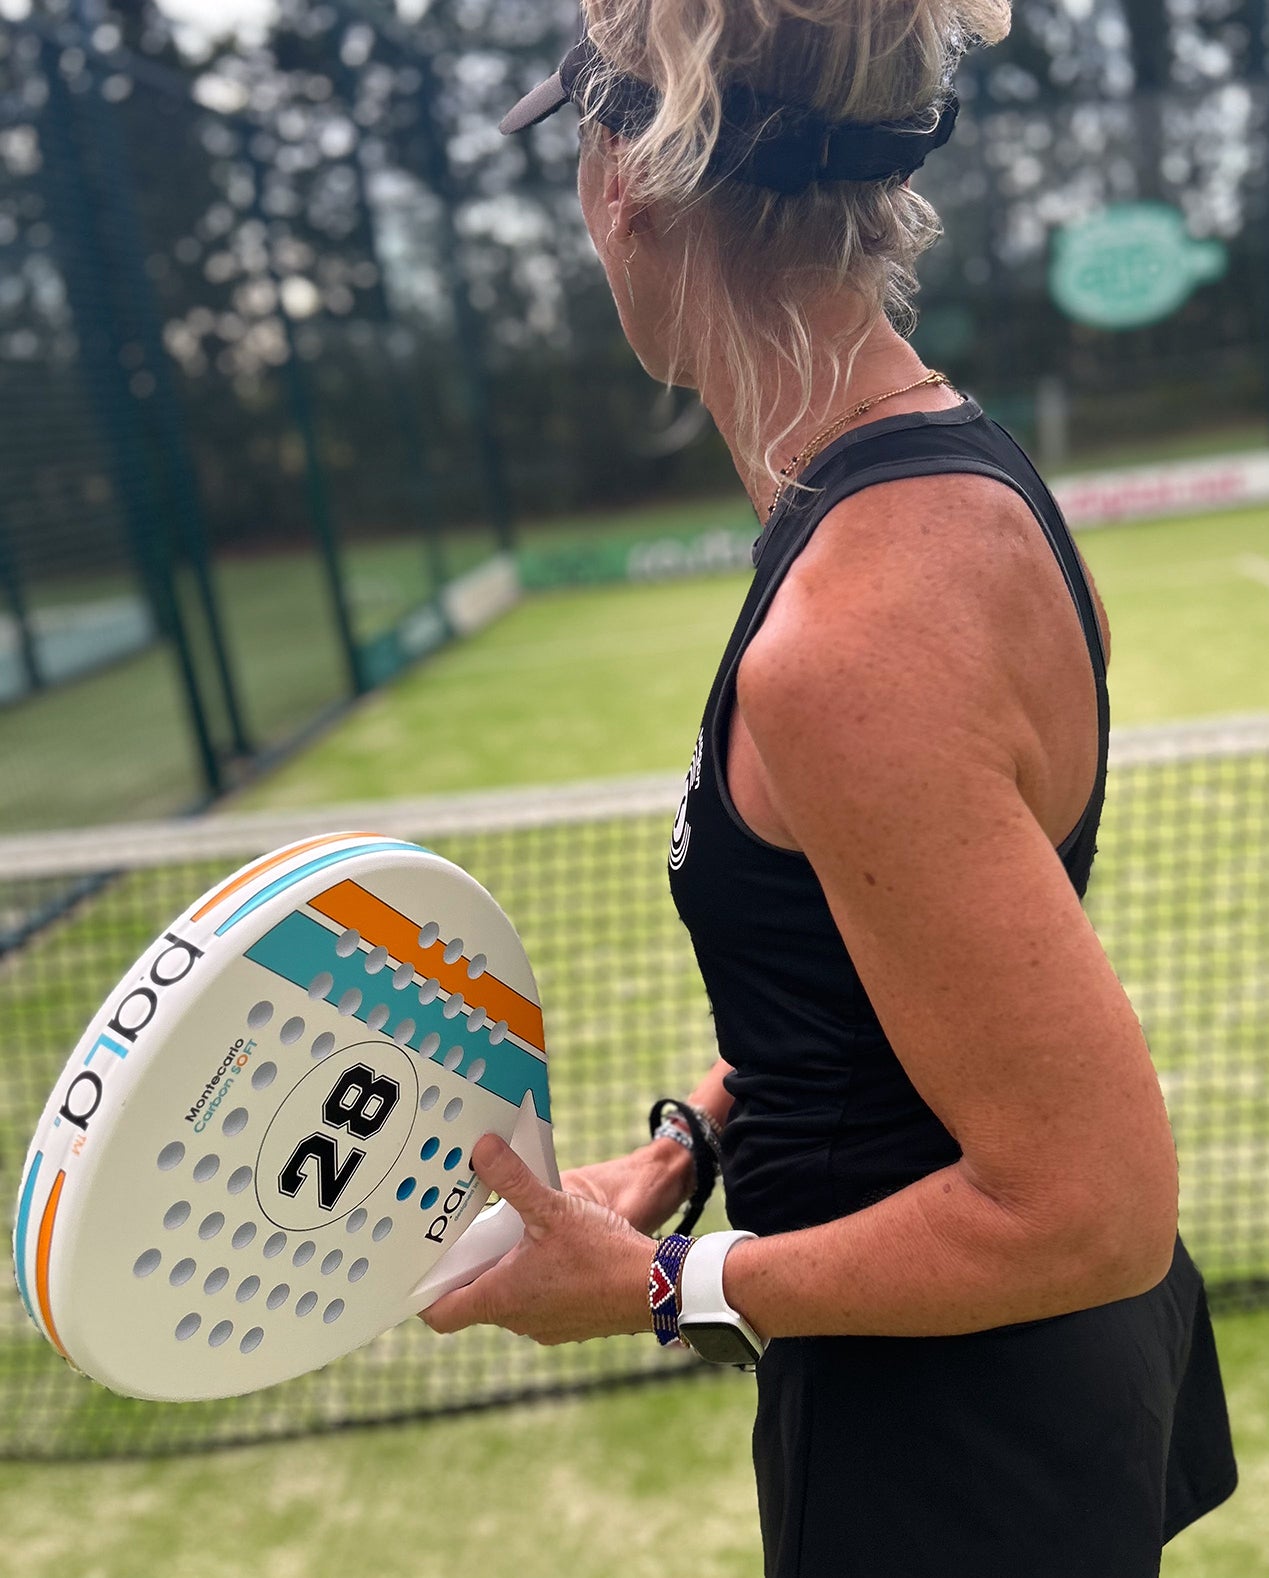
931, 615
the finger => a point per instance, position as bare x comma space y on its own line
458, 1310
500, 1169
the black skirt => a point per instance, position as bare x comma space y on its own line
1072, 1447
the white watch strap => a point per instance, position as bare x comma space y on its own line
701, 1294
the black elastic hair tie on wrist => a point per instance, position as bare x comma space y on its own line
703, 1159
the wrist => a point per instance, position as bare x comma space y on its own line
673, 1163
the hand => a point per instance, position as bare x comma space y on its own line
580, 1270
647, 1187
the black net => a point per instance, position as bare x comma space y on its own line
1180, 896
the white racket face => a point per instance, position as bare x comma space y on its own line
261, 1146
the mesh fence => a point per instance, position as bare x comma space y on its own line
1180, 896
217, 518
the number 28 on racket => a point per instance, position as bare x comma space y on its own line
258, 1157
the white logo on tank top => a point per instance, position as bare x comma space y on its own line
682, 827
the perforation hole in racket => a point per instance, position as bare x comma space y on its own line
475, 1071
401, 1035
244, 1235
247, 1289
216, 1281
376, 959
206, 1167
148, 1263
181, 1272
428, 934
211, 1225
176, 1215
402, 977
278, 1296
220, 1333
477, 1019
187, 1326
291, 1031
319, 987
251, 1340
171, 1157
239, 1179
236, 1121
379, 1016
453, 951
453, 1109
356, 1221
429, 1098
274, 1246
260, 1015
305, 1304
382, 1228
477, 966
333, 1311
324, 1045
347, 943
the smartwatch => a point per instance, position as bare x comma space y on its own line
707, 1323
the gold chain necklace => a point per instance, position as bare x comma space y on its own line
803, 458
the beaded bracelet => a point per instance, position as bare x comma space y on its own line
663, 1286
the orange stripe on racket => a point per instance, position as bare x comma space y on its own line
43, 1249
353, 909
268, 864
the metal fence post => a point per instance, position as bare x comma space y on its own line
314, 475
98, 309
187, 511
15, 595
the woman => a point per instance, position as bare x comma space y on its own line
984, 1350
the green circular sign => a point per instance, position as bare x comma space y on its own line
1131, 264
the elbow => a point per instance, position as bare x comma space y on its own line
1136, 1268
1138, 1249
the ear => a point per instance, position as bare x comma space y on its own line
627, 219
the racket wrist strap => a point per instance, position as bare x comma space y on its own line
665, 1277
696, 1130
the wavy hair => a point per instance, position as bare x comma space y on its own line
756, 259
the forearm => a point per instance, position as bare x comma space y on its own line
938, 1258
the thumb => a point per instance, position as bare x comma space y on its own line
500, 1169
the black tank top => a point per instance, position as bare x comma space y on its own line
825, 1119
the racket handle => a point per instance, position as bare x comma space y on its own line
493, 1234
497, 1230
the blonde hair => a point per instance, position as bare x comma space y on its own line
758, 256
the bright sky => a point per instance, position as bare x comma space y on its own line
211, 17
219, 16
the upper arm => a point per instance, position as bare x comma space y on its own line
890, 740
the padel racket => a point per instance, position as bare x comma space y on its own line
258, 1157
